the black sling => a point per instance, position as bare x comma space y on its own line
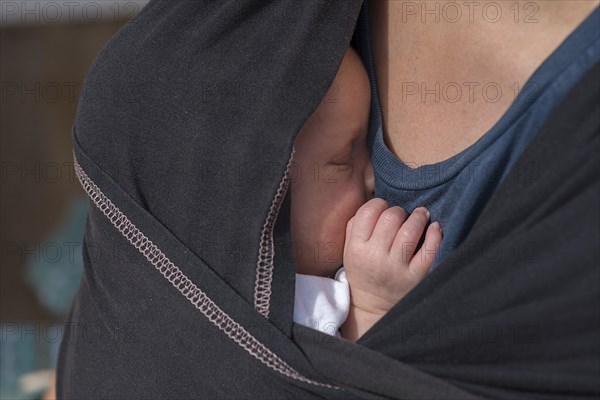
182, 141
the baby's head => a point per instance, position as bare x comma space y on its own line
333, 175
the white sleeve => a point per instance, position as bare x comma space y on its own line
322, 303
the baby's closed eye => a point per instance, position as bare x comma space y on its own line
342, 165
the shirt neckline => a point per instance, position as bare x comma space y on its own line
396, 173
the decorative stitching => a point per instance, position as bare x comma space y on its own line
266, 253
186, 287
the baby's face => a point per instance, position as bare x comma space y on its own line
332, 175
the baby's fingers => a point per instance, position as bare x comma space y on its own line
365, 219
387, 227
422, 261
409, 234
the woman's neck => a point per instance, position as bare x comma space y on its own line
447, 71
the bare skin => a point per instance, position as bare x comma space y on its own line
478, 51
329, 209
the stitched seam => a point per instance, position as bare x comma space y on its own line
186, 287
266, 253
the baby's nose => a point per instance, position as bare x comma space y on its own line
369, 181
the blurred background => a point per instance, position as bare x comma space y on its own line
46, 47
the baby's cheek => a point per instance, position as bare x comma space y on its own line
334, 247
352, 201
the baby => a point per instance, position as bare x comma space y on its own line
334, 222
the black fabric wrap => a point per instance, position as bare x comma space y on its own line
186, 123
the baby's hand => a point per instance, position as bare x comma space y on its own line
380, 260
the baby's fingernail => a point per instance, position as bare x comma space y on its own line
436, 225
426, 211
